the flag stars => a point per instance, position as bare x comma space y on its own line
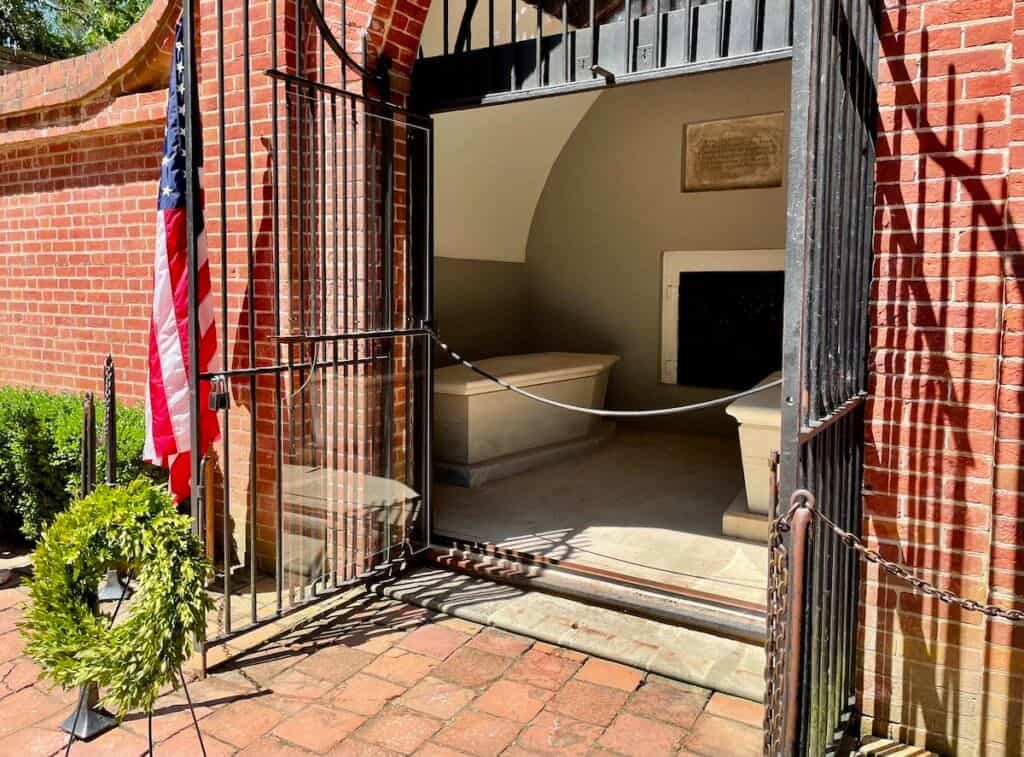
166, 191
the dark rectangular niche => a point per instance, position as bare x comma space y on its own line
730, 327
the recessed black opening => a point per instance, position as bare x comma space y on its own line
730, 327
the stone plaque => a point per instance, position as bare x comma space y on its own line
737, 153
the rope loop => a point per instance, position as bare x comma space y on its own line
600, 412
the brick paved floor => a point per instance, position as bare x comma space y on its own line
379, 678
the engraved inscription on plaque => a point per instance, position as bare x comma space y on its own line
737, 153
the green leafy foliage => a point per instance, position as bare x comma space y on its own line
40, 456
138, 526
62, 28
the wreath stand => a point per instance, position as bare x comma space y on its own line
87, 722
138, 526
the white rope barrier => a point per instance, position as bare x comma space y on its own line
599, 411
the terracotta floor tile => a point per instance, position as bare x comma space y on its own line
242, 722
119, 742
434, 640
501, 642
436, 697
669, 701
399, 730
318, 728
170, 715
610, 674
512, 700
472, 668
588, 702
9, 619
365, 694
435, 750
540, 668
352, 747
268, 746
334, 663
568, 654
554, 734
718, 737
374, 640
734, 708
641, 737
34, 742
17, 674
11, 646
185, 744
405, 668
479, 734
298, 685
31, 706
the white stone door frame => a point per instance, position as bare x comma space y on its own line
674, 262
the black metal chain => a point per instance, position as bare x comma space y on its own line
904, 574
778, 599
777, 638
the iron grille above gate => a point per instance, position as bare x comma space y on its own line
475, 53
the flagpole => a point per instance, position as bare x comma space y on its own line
192, 206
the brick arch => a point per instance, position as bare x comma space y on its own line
394, 28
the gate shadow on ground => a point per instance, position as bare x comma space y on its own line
363, 624
930, 454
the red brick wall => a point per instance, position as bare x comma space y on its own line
944, 434
78, 158
76, 257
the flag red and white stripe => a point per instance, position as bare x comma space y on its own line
168, 391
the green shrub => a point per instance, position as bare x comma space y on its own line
40, 456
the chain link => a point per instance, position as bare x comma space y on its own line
778, 605
904, 574
777, 637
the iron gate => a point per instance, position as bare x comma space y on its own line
831, 185
318, 225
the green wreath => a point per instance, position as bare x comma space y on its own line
137, 526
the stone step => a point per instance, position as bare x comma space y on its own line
701, 614
714, 662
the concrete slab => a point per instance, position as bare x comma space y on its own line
645, 504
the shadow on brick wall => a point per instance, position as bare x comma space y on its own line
936, 339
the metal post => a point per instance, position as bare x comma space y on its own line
794, 655
88, 469
193, 222
110, 419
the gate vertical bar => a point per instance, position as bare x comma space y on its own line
338, 404
829, 245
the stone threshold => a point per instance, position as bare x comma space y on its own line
703, 659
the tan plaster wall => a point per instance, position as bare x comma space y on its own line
611, 206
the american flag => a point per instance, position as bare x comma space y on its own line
168, 390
